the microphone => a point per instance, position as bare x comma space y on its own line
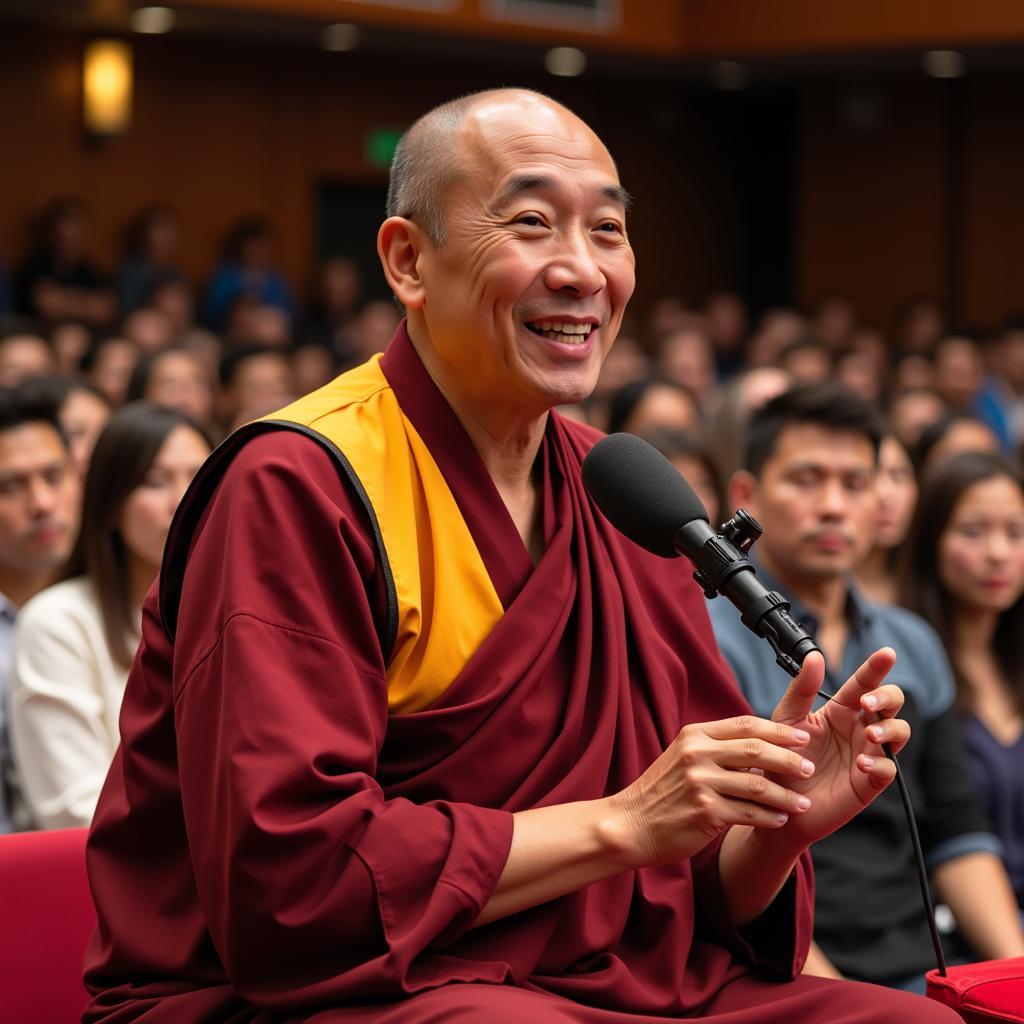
645, 497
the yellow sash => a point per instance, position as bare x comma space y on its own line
447, 604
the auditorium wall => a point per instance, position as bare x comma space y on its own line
223, 128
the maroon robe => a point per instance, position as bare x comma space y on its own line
271, 845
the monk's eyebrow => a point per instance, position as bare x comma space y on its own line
515, 187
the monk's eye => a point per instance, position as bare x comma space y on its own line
530, 220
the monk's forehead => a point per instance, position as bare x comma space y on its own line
500, 135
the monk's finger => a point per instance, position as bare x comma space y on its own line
746, 812
750, 726
868, 677
893, 731
752, 752
886, 701
879, 770
758, 789
798, 701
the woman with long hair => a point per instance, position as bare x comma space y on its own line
75, 641
964, 572
897, 495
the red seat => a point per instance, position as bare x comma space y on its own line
46, 918
983, 993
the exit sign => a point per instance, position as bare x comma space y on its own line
381, 144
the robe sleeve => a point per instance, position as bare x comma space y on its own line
315, 885
777, 942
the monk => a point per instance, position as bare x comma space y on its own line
413, 734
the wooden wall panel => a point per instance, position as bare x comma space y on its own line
993, 253
223, 129
873, 200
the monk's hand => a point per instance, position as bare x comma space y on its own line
850, 767
714, 775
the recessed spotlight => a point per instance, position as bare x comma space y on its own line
152, 21
340, 37
944, 63
729, 75
565, 61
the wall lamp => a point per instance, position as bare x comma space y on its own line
107, 87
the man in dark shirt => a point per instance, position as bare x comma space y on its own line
810, 464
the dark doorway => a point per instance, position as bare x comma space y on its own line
348, 217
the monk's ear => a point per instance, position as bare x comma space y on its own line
742, 492
400, 244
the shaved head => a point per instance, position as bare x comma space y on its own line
426, 160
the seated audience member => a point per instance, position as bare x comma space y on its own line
910, 412
75, 641
39, 498
247, 271
108, 367
954, 432
373, 328
1000, 403
964, 573
175, 378
685, 356
254, 380
693, 460
807, 361
913, 373
69, 342
834, 322
151, 257
860, 370
338, 290
313, 365
652, 402
251, 322
59, 281
149, 330
776, 329
728, 423
726, 317
173, 296
23, 354
624, 364
896, 490
83, 414
919, 326
811, 460
958, 371
665, 314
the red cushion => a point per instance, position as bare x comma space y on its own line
46, 918
992, 990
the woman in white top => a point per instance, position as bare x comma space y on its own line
74, 642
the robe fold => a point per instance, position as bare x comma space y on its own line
293, 831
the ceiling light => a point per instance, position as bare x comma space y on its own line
565, 61
152, 20
944, 63
340, 37
729, 75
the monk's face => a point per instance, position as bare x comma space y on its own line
526, 294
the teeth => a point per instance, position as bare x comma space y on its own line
561, 327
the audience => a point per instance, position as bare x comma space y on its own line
809, 480
39, 509
75, 641
151, 257
59, 281
955, 431
23, 354
964, 573
175, 378
83, 413
254, 380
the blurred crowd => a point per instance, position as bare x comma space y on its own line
116, 383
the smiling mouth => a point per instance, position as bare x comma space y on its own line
556, 330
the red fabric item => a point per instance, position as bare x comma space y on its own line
992, 990
46, 915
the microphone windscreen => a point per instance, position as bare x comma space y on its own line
640, 492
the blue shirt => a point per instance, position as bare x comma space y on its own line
869, 919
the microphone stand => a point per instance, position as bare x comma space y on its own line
769, 618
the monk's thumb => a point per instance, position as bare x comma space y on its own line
798, 700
